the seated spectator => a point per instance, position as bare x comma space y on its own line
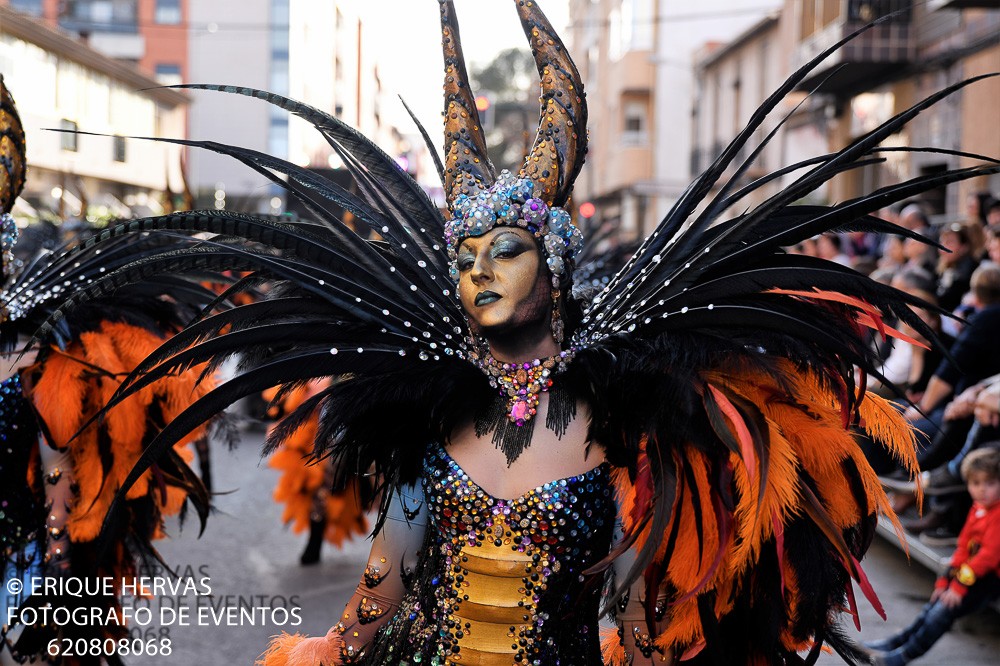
949, 421
909, 367
914, 218
977, 206
806, 247
891, 261
987, 407
973, 579
993, 243
830, 247
918, 254
975, 354
993, 214
860, 245
955, 265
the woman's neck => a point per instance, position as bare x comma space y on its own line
525, 344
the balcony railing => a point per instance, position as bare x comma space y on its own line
89, 16
866, 59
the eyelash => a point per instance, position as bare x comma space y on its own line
465, 263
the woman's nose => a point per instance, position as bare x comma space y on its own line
481, 269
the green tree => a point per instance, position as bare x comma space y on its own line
510, 81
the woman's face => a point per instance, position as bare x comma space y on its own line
503, 282
914, 250
956, 249
993, 248
894, 250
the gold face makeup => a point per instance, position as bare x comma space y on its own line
503, 283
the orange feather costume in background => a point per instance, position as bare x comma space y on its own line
305, 485
69, 387
815, 470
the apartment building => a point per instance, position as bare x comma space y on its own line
311, 50
61, 83
637, 60
922, 49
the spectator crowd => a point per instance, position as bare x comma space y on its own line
949, 389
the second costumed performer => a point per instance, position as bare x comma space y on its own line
679, 443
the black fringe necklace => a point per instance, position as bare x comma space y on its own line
511, 416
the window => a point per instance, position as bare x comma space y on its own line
168, 73
869, 10
33, 7
277, 139
68, 138
168, 12
634, 124
119, 148
106, 15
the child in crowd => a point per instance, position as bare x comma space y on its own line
972, 580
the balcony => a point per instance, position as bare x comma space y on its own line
867, 59
635, 72
99, 16
933, 5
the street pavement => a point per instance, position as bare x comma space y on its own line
251, 561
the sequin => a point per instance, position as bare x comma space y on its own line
21, 512
527, 555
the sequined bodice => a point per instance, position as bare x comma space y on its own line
19, 511
508, 584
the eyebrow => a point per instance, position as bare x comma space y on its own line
503, 234
465, 243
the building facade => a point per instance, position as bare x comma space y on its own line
637, 60
61, 83
314, 51
151, 34
613, 45
922, 49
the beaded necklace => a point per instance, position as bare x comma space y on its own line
520, 387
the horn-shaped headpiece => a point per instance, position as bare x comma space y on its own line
468, 169
478, 199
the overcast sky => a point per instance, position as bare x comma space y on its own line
407, 34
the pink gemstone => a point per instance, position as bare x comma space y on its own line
519, 410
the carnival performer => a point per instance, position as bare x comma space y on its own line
59, 470
678, 444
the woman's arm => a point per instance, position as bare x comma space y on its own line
393, 556
636, 637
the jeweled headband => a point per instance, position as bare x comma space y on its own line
512, 202
478, 198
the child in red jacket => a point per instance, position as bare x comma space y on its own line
973, 580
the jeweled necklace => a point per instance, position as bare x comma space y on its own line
523, 383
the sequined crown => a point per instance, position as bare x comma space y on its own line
513, 202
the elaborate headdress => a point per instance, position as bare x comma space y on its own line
12, 172
478, 198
